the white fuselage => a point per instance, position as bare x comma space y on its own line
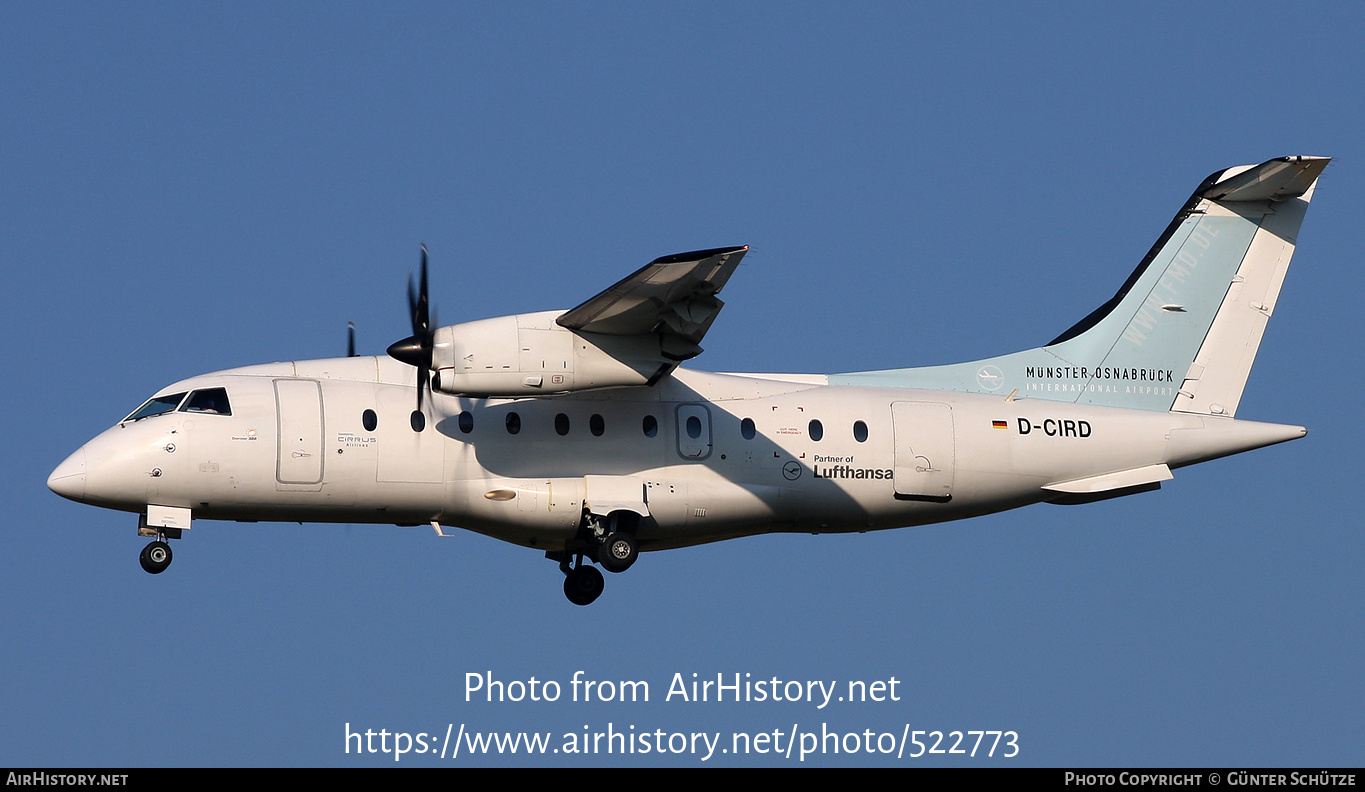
574, 432
809, 458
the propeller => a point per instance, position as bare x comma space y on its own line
416, 349
350, 339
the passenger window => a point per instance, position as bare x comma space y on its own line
211, 401
466, 422
817, 430
596, 425
746, 429
650, 426
562, 424
513, 423
157, 406
860, 431
418, 420
369, 420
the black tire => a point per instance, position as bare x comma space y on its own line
584, 585
156, 557
618, 552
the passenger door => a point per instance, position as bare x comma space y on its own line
924, 450
298, 413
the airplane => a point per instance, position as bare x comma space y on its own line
578, 433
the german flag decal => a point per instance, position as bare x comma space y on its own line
1000, 425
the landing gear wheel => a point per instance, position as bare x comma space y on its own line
156, 557
618, 552
583, 585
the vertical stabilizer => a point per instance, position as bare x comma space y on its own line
1182, 332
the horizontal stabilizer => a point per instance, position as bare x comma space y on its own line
1109, 485
1276, 180
1150, 474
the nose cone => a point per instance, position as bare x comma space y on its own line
68, 480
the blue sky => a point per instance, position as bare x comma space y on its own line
188, 188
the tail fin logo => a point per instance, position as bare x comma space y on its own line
990, 378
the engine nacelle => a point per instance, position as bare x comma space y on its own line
529, 355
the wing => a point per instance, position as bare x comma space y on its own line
673, 297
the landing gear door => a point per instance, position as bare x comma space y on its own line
606, 494
924, 450
299, 414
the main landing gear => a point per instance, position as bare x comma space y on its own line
583, 584
617, 552
611, 541
156, 557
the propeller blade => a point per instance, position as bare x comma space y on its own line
423, 304
412, 304
416, 350
350, 339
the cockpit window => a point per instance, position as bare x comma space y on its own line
213, 401
157, 406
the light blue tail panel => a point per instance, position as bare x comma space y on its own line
1158, 337
1137, 349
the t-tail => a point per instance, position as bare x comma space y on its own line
1182, 332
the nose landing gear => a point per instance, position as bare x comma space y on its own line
162, 523
156, 557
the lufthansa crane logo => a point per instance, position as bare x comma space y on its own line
792, 471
